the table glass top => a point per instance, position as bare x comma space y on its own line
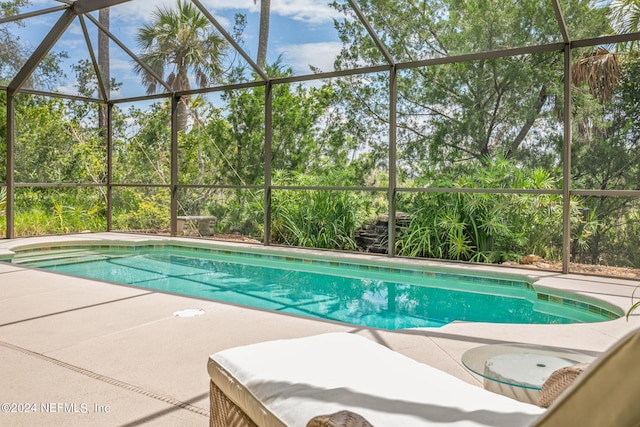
520, 365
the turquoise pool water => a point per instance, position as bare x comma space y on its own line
371, 295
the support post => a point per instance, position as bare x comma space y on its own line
393, 102
268, 141
109, 167
174, 165
11, 136
566, 164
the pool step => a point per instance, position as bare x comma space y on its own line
58, 256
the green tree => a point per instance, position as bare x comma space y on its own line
142, 141
14, 53
463, 113
307, 134
609, 131
225, 145
46, 134
54, 132
141, 155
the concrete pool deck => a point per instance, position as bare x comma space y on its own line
79, 352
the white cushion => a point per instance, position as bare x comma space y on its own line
287, 382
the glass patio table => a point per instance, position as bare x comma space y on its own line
519, 370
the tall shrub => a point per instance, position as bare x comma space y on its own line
490, 227
315, 218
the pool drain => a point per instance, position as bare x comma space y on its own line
190, 312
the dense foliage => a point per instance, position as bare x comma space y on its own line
483, 124
491, 227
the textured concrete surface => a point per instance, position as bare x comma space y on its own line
81, 352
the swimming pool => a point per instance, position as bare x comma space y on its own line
373, 294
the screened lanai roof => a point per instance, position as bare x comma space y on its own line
303, 37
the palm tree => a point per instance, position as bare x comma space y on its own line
625, 18
178, 43
599, 71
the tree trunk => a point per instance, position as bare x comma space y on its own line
263, 38
515, 144
104, 66
181, 83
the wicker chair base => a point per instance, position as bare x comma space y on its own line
558, 382
225, 413
339, 419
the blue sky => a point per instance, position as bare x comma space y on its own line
301, 33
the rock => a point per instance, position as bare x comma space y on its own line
531, 259
373, 237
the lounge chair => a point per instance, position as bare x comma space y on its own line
300, 382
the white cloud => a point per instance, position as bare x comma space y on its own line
137, 12
310, 11
122, 62
301, 56
68, 89
142, 10
138, 9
